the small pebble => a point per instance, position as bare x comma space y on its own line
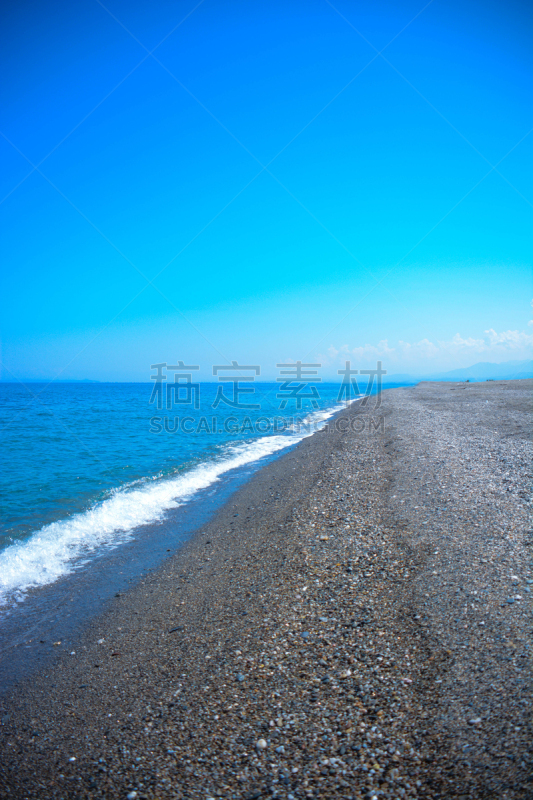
261, 744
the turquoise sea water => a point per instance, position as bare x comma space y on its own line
86, 464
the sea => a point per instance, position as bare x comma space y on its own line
87, 466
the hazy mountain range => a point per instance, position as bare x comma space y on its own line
482, 371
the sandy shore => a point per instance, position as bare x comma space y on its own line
354, 623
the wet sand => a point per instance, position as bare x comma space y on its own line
353, 623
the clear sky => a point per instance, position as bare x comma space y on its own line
264, 181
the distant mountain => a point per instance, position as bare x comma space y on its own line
482, 371
509, 370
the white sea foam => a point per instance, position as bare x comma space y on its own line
60, 547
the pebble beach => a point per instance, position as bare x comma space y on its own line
354, 623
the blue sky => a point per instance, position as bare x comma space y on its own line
274, 182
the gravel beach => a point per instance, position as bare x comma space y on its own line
354, 623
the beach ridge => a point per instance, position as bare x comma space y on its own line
353, 623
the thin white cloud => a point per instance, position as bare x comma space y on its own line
422, 349
458, 342
367, 351
510, 339
496, 346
